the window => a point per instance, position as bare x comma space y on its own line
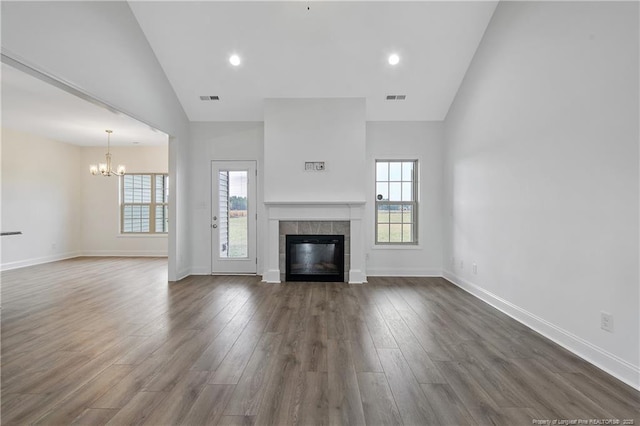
144, 203
396, 202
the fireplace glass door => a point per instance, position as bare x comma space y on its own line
314, 258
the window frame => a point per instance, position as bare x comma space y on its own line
152, 205
413, 203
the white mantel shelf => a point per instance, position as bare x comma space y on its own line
352, 211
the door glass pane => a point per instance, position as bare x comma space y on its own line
232, 219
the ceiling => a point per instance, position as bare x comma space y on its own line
37, 107
298, 49
314, 49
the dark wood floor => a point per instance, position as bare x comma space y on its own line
108, 341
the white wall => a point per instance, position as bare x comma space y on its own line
220, 141
41, 197
99, 48
542, 175
299, 130
100, 202
408, 140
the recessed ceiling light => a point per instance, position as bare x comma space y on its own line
394, 59
234, 60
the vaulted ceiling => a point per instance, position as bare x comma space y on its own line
294, 49
314, 49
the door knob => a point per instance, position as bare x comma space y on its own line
215, 218
214, 226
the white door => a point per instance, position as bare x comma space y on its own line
233, 217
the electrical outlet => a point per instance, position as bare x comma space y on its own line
314, 166
475, 268
606, 321
461, 264
54, 246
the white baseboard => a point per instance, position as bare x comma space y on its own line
200, 270
271, 276
38, 260
125, 253
606, 361
404, 272
182, 274
357, 276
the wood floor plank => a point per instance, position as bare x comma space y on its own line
447, 406
285, 380
237, 421
230, 369
345, 404
138, 409
378, 403
120, 394
74, 405
314, 353
179, 400
110, 341
411, 401
473, 396
210, 405
94, 417
250, 390
365, 356
312, 407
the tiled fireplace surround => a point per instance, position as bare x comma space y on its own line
328, 218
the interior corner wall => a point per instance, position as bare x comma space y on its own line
100, 200
99, 48
40, 197
399, 140
541, 175
220, 141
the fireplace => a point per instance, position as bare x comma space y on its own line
314, 258
314, 218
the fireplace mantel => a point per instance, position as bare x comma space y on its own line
277, 211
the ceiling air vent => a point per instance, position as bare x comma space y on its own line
396, 97
209, 98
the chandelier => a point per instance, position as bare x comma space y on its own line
105, 168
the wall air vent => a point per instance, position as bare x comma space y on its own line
209, 98
396, 97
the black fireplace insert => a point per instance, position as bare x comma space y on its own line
315, 258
